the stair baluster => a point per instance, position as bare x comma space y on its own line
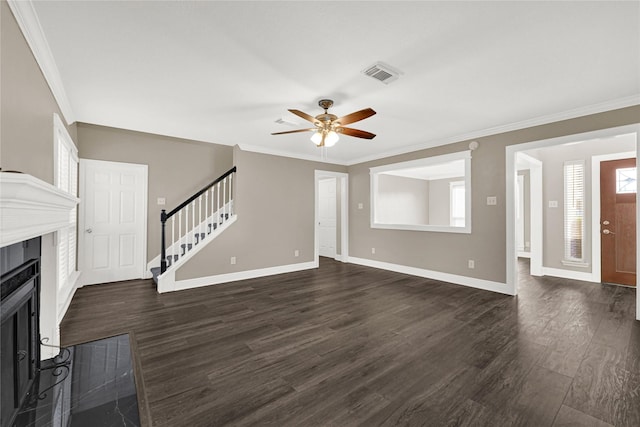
215, 215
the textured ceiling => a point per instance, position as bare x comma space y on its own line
224, 72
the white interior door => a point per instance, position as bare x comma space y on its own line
113, 221
327, 217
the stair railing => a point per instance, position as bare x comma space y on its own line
199, 215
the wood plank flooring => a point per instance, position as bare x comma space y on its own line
347, 345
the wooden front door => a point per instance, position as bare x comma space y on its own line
618, 221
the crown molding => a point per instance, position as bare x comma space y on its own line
602, 107
282, 153
27, 18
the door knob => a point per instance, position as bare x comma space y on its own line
605, 231
605, 222
88, 230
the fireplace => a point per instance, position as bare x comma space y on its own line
20, 319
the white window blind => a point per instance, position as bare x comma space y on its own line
457, 210
574, 211
66, 179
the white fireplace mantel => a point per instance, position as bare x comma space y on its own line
30, 207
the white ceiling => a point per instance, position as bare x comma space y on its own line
452, 169
224, 72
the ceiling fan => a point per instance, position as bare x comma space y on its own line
328, 126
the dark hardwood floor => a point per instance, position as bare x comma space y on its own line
349, 345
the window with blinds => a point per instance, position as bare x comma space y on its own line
66, 179
574, 211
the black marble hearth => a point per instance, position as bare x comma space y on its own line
90, 384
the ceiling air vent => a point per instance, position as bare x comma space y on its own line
382, 72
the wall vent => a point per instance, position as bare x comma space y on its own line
282, 121
382, 72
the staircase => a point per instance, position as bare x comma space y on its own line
194, 223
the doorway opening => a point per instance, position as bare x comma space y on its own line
331, 215
570, 241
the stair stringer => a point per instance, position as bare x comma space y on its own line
167, 280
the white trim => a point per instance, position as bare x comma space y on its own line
282, 153
344, 214
471, 282
615, 104
145, 197
571, 263
596, 261
30, 207
173, 285
196, 248
72, 288
569, 274
29, 24
511, 150
522, 254
426, 161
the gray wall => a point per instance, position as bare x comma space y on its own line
275, 206
26, 106
402, 200
177, 167
448, 252
553, 159
440, 200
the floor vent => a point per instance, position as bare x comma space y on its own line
382, 72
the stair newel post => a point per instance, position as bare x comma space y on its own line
163, 250
193, 219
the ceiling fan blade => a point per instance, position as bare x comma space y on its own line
293, 131
355, 117
304, 115
356, 132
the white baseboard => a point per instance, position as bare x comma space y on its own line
168, 285
569, 274
472, 282
75, 284
522, 254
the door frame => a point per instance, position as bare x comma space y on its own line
536, 248
510, 179
145, 196
343, 179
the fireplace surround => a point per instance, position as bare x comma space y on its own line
20, 324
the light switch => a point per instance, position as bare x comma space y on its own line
553, 203
161, 201
492, 200
360, 206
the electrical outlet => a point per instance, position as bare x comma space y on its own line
373, 250
161, 201
296, 253
472, 264
492, 200
360, 206
233, 260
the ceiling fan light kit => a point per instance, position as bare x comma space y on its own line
328, 126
